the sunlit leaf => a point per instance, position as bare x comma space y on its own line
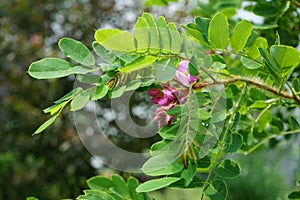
240, 35
115, 39
252, 50
46, 124
139, 63
218, 32
286, 57
175, 38
250, 63
142, 35
154, 34
165, 41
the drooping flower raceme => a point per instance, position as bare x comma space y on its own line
183, 76
168, 97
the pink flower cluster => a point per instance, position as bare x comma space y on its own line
168, 96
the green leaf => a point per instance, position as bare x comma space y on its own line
55, 108
154, 34
45, 125
204, 114
216, 190
259, 104
193, 30
99, 183
83, 70
156, 184
175, 110
176, 39
203, 24
76, 51
233, 143
133, 85
132, 184
99, 92
264, 119
294, 195
161, 165
120, 186
31, 198
240, 35
252, 50
139, 63
293, 124
155, 2
142, 35
286, 57
270, 63
227, 169
69, 95
165, 70
296, 85
218, 116
96, 195
204, 162
106, 55
117, 92
218, 32
250, 64
49, 68
266, 10
80, 100
188, 174
89, 78
115, 39
165, 41
265, 26
193, 66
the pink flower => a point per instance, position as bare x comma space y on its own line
183, 76
163, 97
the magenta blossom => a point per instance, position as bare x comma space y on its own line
163, 97
167, 99
183, 76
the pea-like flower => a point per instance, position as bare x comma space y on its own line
167, 98
163, 97
183, 76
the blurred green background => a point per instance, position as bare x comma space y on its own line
55, 164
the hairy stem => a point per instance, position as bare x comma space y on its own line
268, 138
253, 82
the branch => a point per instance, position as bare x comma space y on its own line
253, 82
268, 138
